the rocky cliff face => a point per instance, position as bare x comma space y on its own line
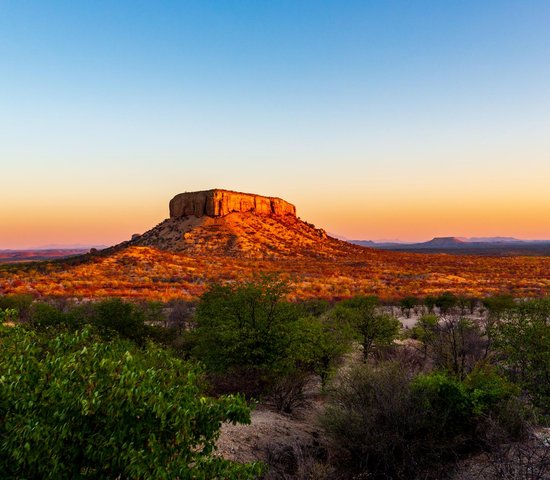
218, 203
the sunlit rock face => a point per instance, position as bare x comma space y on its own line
218, 203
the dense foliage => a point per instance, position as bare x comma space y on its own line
249, 333
75, 406
394, 425
470, 376
522, 337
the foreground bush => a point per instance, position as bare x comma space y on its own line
75, 407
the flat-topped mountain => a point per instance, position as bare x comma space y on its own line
227, 223
218, 203
439, 242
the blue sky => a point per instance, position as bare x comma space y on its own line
377, 118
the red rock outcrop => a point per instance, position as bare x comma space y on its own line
218, 203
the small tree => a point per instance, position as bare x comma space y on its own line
246, 325
425, 331
498, 305
430, 301
407, 304
454, 344
319, 343
446, 302
522, 336
393, 425
374, 329
20, 302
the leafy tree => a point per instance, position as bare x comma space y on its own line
454, 344
498, 305
407, 304
45, 315
75, 406
425, 330
373, 328
318, 343
315, 306
263, 344
430, 302
466, 304
20, 302
114, 317
446, 302
246, 325
522, 336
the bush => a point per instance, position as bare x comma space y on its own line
374, 329
499, 304
454, 344
371, 417
19, 302
446, 302
393, 426
43, 315
522, 337
111, 318
256, 342
8, 315
245, 325
74, 406
319, 343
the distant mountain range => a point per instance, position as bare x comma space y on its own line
467, 246
39, 254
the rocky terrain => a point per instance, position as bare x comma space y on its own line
218, 203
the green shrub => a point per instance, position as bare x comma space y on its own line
245, 325
111, 318
522, 337
44, 315
393, 426
8, 315
253, 341
374, 329
75, 406
19, 302
499, 304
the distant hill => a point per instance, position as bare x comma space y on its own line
18, 256
490, 246
443, 242
495, 240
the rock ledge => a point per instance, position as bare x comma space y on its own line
218, 203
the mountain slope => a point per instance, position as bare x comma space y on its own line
238, 225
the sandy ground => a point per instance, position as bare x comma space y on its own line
287, 443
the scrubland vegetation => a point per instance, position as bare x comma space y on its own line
114, 389
152, 274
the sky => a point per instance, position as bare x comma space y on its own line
377, 119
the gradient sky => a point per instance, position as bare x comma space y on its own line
378, 119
